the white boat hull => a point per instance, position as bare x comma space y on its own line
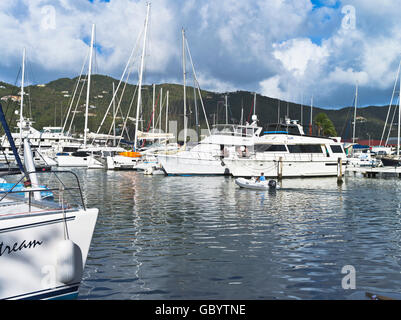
82, 162
31, 262
288, 168
119, 162
182, 165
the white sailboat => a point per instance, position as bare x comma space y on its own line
359, 159
129, 160
44, 143
395, 160
85, 155
43, 244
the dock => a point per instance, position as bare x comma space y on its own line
372, 172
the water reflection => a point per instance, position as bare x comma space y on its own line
205, 238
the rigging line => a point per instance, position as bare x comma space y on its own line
391, 101
253, 106
122, 94
125, 70
129, 110
346, 119
76, 106
198, 86
13, 92
31, 74
153, 111
392, 121
75, 91
158, 119
122, 116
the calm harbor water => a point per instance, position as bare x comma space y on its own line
204, 238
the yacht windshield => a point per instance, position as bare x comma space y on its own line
233, 130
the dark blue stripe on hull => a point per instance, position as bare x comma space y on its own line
57, 294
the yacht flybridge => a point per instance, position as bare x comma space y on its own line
285, 151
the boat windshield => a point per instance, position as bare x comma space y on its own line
282, 128
234, 130
52, 129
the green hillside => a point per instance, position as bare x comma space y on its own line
48, 104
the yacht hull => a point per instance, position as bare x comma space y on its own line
83, 162
391, 162
32, 265
192, 165
273, 168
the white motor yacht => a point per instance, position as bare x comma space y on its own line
285, 151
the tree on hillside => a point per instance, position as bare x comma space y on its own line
324, 125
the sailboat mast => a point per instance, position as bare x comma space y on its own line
242, 112
311, 119
399, 120
88, 88
185, 93
153, 110
356, 103
21, 117
160, 111
302, 111
114, 117
278, 110
196, 111
167, 113
254, 103
140, 76
226, 110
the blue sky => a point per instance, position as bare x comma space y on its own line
287, 49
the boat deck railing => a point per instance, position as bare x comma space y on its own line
54, 193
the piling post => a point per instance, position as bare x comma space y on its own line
339, 170
280, 169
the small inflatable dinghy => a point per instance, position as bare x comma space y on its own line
256, 185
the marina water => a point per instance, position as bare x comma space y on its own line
204, 238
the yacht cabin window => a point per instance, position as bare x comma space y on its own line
305, 148
270, 148
336, 149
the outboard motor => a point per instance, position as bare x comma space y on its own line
272, 184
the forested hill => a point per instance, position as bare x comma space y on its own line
48, 104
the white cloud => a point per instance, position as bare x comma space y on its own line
271, 87
62, 46
281, 47
297, 55
208, 82
349, 76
